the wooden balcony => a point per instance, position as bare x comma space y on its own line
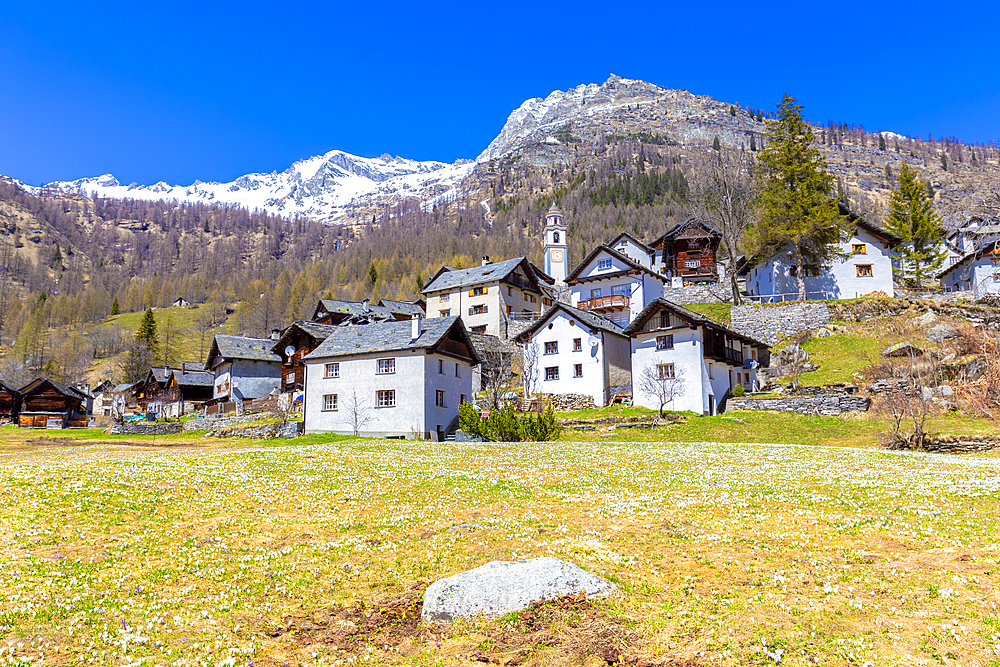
600, 304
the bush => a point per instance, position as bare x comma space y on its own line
504, 424
739, 391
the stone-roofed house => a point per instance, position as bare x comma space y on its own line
390, 379
704, 359
576, 352
977, 271
334, 311
187, 390
865, 266
296, 341
46, 403
634, 249
490, 296
613, 285
244, 369
404, 310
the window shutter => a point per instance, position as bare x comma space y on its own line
471, 292
470, 311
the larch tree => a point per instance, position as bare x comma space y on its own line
912, 217
797, 211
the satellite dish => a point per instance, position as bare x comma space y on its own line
594, 341
289, 351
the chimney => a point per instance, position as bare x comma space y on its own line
275, 334
486, 260
416, 327
366, 305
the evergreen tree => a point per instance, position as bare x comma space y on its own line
913, 218
881, 142
115, 310
716, 145
753, 143
146, 333
373, 274
732, 110
56, 256
944, 161
797, 211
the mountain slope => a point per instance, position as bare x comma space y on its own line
324, 187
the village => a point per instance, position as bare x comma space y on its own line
615, 329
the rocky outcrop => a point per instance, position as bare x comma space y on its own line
502, 587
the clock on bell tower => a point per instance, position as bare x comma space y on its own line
555, 245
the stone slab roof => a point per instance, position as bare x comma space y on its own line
389, 336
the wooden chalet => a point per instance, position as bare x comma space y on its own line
48, 404
10, 402
296, 341
333, 311
186, 390
153, 386
688, 251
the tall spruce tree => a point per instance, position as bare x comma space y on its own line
146, 333
797, 209
912, 217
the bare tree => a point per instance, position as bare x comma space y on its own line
663, 382
496, 371
529, 367
357, 411
725, 197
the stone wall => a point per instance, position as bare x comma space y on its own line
713, 293
964, 444
212, 424
831, 404
145, 428
567, 402
765, 321
258, 431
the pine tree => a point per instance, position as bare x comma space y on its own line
732, 110
57, 255
716, 145
881, 142
373, 274
114, 307
944, 161
146, 333
913, 218
753, 143
797, 211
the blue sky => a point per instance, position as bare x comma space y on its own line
180, 91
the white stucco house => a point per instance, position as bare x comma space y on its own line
977, 272
577, 352
244, 369
613, 285
700, 360
634, 249
390, 379
865, 267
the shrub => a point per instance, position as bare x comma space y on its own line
739, 391
504, 424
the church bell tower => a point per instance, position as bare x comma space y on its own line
555, 245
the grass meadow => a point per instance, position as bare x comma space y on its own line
315, 551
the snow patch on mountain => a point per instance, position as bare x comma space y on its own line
321, 187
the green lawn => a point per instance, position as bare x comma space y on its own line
839, 358
720, 312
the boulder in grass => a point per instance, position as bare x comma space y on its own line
926, 319
906, 349
939, 333
502, 587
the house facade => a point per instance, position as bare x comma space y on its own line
576, 352
693, 360
10, 402
390, 379
243, 369
687, 252
613, 286
863, 267
297, 340
977, 271
186, 391
489, 296
48, 404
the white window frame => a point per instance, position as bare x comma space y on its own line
554, 374
440, 398
331, 370
578, 370
330, 403
385, 398
603, 264
390, 366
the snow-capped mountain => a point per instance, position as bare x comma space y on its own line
320, 187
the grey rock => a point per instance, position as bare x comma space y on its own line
926, 319
792, 354
823, 332
968, 367
906, 349
942, 332
889, 384
502, 587
926, 393
946, 391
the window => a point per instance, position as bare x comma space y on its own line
578, 370
478, 310
444, 297
664, 320
595, 293
552, 347
665, 342
859, 249
385, 398
794, 271
665, 371
555, 237
510, 309
439, 399
445, 313
577, 344
711, 372
753, 354
746, 380
329, 402
461, 399
622, 290
603, 264
692, 263
996, 277
864, 270
332, 371
477, 291
510, 291
440, 366
552, 373
458, 371
479, 329
386, 365
290, 376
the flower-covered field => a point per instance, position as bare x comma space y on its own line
313, 552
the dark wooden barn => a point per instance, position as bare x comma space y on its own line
10, 402
48, 404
